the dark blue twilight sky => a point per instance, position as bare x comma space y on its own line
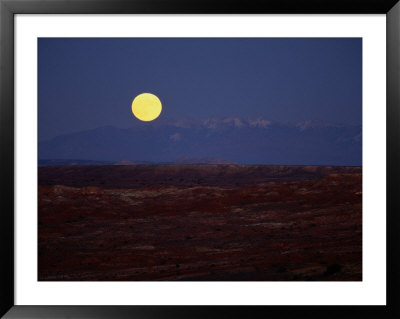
89, 83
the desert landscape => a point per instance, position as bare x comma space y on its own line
191, 222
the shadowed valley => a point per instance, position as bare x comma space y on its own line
200, 222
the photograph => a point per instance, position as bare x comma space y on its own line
200, 159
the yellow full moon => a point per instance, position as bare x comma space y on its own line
146, 107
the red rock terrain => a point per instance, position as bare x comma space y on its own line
200, 222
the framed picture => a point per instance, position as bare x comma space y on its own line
193, 159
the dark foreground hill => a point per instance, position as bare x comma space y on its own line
181, 175
200, 222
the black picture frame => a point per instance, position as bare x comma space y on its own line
8, 8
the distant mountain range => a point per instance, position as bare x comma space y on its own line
213, 141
